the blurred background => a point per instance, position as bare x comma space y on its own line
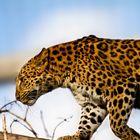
26, 26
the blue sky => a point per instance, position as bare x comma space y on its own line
18, 16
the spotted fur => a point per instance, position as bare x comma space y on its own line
103, 75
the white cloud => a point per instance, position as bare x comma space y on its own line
63, 26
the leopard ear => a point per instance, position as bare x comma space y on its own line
40, 58
41, 53
43, 49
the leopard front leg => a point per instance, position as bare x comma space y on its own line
119, 108
91, 117
72, 137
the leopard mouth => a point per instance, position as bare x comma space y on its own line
29, 98
30, 102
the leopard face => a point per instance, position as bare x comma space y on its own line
33, 81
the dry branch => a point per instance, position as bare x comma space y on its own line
44, 126
18, 119
19, 137
24, 122
4, 127
64, 120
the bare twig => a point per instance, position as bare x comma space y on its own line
10, 103
24, 120
15, 120
27, 109
44, 126
28, 126
4, 107
3, 111
4, 127
64, 120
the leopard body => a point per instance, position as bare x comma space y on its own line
103, 75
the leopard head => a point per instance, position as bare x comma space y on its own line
34, 79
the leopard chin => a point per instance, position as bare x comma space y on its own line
29, 102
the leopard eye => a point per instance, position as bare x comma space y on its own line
33, 93
49, 79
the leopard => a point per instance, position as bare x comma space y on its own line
102, 74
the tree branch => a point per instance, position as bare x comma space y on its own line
24, 119
64, 120
44, 126
4, 127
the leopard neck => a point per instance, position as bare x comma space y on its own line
60, 61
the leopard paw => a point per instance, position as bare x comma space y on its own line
74, 137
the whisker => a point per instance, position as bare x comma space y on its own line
31, 96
